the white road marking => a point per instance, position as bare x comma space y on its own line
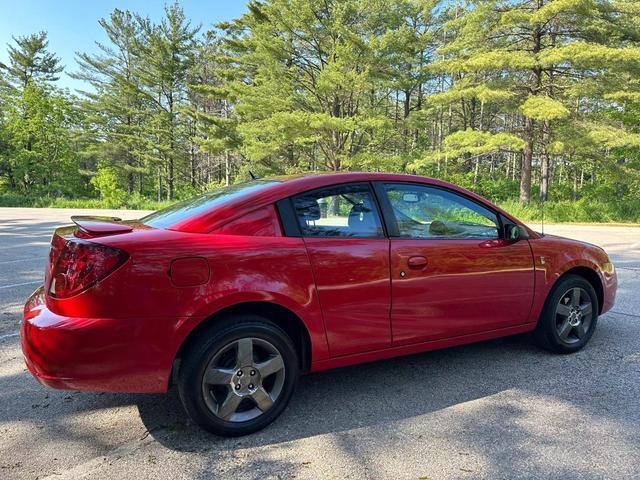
40, 259
22, 234
20, 284
10, 335
29, 245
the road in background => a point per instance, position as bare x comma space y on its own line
498, 409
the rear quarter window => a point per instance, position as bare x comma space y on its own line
174, 214
262, 222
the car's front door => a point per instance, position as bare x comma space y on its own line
349, 255
452, 273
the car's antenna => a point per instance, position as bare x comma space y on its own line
253, 177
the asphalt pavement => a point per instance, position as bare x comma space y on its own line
497, 409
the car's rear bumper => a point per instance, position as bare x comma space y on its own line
95, 354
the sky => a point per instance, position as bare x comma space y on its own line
72, 25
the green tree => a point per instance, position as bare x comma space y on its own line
313, 79
106, 182
38, 121
30, 60
217, 134
166, 56
548, 57
39, 156
116, 107
502, 96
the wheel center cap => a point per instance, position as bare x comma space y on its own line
246, 381
575, 317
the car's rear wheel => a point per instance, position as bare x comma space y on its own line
238, 376
569, 316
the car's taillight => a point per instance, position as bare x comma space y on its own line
81, 265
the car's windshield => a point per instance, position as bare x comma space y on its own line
171, 215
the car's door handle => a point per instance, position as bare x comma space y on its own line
417, 262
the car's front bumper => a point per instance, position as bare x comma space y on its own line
610, 287
95, 354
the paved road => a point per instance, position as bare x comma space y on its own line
499, 409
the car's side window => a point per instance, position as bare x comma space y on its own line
338, 211
434, 213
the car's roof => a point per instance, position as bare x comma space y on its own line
276, 188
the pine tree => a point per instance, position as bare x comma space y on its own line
116, 105
30, 60
546, 55
312, 80
167, 55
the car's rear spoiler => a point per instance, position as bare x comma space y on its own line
97, 225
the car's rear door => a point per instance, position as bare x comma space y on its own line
349, 253
451, 272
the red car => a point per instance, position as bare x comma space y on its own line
233, 294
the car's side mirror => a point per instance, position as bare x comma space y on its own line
512, 232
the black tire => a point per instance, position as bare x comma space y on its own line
199, 398
551, 331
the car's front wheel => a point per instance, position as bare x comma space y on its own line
239, 376
569, 316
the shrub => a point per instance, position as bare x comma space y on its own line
106, 182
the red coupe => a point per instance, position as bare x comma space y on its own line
233, 294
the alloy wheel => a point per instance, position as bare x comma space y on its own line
243, 379
574, 314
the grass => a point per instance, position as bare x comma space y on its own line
134, 202
561, 211
580, 211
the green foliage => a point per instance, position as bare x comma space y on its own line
510, 98
30, 61
106, 182
133, 202
543, 108
38, 154
580, 211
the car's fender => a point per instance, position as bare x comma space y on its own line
555, 256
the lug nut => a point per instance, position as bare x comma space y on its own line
251, 385
239, 373
237, 386
252, 372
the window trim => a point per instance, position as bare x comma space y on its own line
288, 220
390, 218
291, 223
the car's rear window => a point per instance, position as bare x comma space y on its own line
180, 211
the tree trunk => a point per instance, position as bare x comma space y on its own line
170, 178
476, 170
159, 184
335, 206
130, 182
544, 163
192, 159
527, 159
